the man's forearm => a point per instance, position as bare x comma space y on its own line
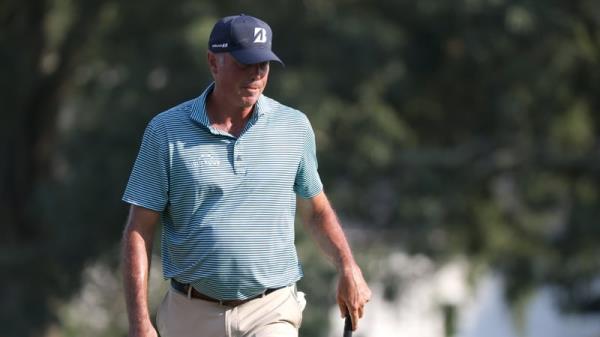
331, 239
320, 219
325, 228
136, 267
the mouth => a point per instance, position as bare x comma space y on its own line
251, 89
252, 85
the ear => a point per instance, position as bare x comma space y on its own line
213, 63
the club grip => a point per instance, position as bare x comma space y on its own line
348, 327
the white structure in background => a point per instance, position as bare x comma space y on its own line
481, 312
417, 312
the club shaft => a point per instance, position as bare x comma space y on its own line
348, 327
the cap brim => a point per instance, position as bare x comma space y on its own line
255, 55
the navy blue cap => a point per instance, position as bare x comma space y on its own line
245, 37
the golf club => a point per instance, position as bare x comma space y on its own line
348, 327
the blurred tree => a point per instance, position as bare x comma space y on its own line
458, 127
80, 81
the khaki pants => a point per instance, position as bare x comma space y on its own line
278, 314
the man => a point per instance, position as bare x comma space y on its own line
222, 172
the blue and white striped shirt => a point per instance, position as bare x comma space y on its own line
227, 204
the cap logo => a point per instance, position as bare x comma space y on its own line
220, 45
260, 35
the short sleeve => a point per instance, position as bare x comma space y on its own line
149, 180
308, 183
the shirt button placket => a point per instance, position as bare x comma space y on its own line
239, 164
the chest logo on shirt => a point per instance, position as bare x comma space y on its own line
206, 159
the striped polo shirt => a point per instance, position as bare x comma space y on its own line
227, 204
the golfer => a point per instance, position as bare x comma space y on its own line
224, 174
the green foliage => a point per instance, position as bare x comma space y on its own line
466, 126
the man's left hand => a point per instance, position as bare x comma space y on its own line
353, 293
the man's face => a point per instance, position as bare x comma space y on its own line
241, 84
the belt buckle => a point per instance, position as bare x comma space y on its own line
235, 303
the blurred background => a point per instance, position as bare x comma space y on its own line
459, 141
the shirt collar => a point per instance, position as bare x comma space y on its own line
199, 114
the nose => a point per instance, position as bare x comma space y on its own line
259, 70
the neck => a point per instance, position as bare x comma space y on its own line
226, 116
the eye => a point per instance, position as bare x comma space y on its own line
243, 66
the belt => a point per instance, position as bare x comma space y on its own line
188, 290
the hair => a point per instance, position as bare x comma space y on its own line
220, 58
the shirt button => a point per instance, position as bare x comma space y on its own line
238, 158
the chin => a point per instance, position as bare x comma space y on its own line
248, 101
